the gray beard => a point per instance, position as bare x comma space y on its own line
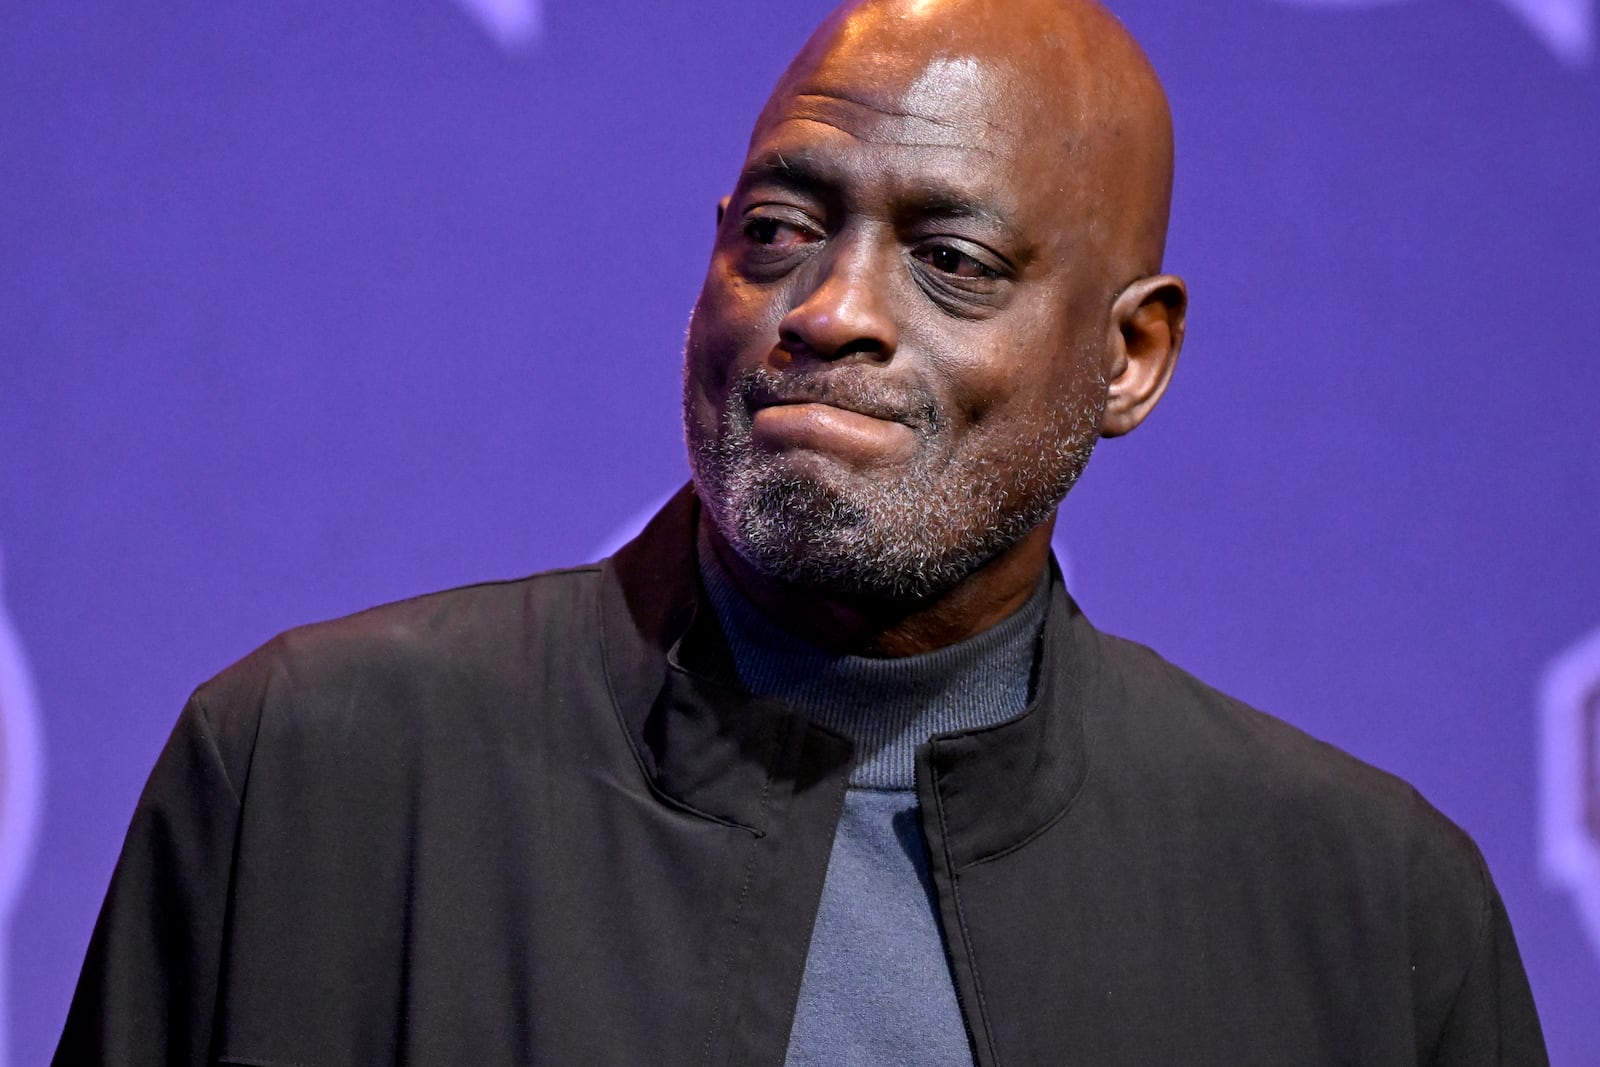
914, 536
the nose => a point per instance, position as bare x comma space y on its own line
848, 311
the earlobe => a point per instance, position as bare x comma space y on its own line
1147, 323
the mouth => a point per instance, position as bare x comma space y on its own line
820, 430
826, 406
808, 423
845, 397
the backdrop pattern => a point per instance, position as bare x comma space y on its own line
310, 304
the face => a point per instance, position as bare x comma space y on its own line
893, 371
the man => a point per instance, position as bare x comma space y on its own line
825, 767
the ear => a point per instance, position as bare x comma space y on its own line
1147, 320
722, 209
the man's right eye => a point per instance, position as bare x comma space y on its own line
762, 231
777, 234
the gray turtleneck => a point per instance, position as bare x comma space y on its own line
877, 986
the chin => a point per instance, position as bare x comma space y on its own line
835, 533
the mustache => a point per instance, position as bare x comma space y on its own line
865, 393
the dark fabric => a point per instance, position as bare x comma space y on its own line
537, 822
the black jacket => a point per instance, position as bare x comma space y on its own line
534, 822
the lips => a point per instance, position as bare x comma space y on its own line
834, 416
850, 409
851, 395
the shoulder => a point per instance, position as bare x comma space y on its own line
1192, 744
476, 648
1277, 815
406, 641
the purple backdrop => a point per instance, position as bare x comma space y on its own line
308, 305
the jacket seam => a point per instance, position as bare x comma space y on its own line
800, 977
1485, 923
966, 934
219, 988
208, 733
733, 939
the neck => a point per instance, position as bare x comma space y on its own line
867, 626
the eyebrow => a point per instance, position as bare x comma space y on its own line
795, 169
935, 202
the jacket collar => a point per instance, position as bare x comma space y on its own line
709, 747
705, 745
996, 787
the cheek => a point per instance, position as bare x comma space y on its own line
1008, 387
983, 369
733, 327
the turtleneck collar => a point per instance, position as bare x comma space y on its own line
887, 706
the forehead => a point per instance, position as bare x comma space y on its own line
952, 126
950, 101
899, 96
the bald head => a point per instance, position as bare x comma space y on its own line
1070, 79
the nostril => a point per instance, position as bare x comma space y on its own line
871, 347
795, 346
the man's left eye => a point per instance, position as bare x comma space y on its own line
954, 262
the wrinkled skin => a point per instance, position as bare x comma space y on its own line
934, 286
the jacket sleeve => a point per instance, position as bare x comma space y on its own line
148, 990
1492, 1021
